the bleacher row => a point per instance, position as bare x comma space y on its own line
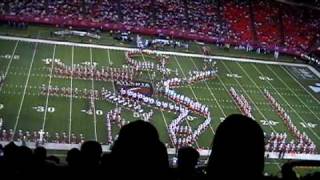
263, 23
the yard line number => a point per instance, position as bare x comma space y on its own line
269, 122
308, 125
42, 109
8, 56
234, 76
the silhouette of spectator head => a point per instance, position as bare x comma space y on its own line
73, 157
237, 149
106, 161
24, 160
91, 153
24, 155
187, 158
10, 151
139, 152
40, 154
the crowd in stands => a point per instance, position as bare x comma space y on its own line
275, 24
137, 13
137, 153
267, 23
238, 18
170, 14
300, 28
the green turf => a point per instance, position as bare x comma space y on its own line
288, 90
21, 93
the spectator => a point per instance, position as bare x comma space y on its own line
73, 158
139, 152
91, 152
187, 160
237, 150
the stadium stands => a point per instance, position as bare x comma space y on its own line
237, 15
138, 151
218, 21
267, 23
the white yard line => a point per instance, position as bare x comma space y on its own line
244, 91
9, 64
155, 51
226, 89
165, 122
194, 95
163, 116
112, 82
71, 87
48, 93
276, 75
94, 105
109, 59
24, 91
314, 98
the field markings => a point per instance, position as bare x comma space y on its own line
94, 106
314, 98
249, 97
163, 116
24, 91
276, 75
194, 95
275, 90
9, 64
112, 82
71, 86
48, 93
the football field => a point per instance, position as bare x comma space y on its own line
24, 108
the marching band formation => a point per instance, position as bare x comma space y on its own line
183, 135
122, 101
193, 106
147, 65
180, 135
89, 72
113, 117
27, 136
304, 144
190, 104
194, 76
149, 101
67, 92
178, 139
277, 142
242, 103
